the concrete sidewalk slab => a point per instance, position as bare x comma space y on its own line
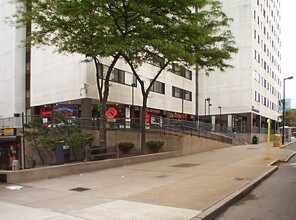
126, 210
181, 186
18, 212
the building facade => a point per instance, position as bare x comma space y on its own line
246, 96
42, 81
12, 65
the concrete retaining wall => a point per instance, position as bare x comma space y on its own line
21, 176
175, 145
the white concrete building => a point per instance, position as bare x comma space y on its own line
12, 65
41, 80
243, 97
246, 96
66, 80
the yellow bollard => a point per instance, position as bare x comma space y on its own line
268, 140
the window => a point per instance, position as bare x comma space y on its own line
158, 87
257, 97
181, 93
181, 71
123, 77
177, 92
187, 95
130, 79
257, 76
117, 75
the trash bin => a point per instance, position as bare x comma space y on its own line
62, 153
255, 139
277, 140
66, 149
59, 153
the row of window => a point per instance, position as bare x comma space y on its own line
181, 93
266, 67
266, 85
118, 75
265, 101
269, 37
274, 26
182, 71
266, 50
159, 87
176, 68
127, 78
276, 5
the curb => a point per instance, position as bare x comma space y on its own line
286, 145
273, 163
213, 211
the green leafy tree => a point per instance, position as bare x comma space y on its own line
32, 131
93, 28
44, 137
290, 118
79, 143
188, 33
138, 30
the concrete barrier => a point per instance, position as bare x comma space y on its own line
21, 176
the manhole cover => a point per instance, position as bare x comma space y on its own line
185, 165
162, 176
79, 189
242, 178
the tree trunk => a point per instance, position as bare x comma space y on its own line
143, 125
103, 90
39, 151
103, 126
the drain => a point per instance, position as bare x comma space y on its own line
242, 178
185, 165
162, 176
79, 189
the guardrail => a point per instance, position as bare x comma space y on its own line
165, 125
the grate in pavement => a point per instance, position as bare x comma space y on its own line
162, 176
252, 148
186, 165
79, 189
242, 178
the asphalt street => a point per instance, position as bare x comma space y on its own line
273, 199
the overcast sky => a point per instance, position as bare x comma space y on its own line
289, 47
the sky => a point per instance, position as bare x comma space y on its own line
288, 38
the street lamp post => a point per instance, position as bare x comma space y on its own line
207, 99
284, 106
132, 106
182, 102
220, 114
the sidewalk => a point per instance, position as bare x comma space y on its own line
187, 187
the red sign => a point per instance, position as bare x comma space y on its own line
147, 117
111, 112
46, 113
